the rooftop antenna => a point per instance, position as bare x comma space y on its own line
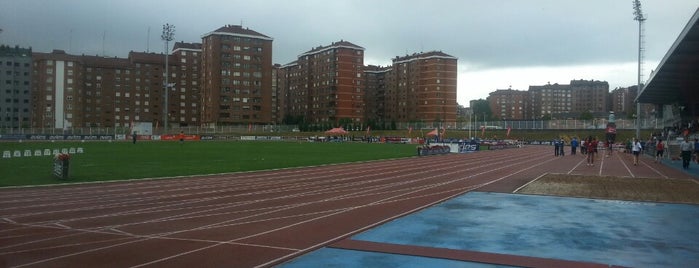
104, 36
148, 41
638, 16
70, 41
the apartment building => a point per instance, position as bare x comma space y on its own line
95, 91
57, 90
329, 85
295, 96
229, 79
422, 88
15, 86
184, 99
622, 100
590, 96
550, 100
509, 104
236, 82
278, 93
376, 81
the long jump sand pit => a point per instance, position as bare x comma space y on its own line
616, 188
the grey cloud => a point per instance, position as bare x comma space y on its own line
489, 34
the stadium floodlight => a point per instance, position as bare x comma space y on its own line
638, 16
167, 36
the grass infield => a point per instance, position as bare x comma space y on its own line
104, 161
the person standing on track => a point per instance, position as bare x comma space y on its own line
561, 147
659, 150
636, 150
590, 151
573, 146
686, 148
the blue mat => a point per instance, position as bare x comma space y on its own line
635, 234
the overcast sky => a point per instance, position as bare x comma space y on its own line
499, 43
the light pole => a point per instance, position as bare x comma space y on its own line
638, 15
167, 36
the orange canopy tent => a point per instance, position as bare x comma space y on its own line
336, 131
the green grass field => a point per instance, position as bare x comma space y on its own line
103, 161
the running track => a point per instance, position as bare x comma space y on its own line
258, 219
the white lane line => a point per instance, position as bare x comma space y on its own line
62, 226
655, 170
625, 165
532, 181
584, 159
120, 232
64, 246
80, 252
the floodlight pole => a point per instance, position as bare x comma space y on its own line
167, 36
638, 16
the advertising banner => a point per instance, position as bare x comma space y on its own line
469, 147
177, 137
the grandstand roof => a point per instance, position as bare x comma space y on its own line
677, 78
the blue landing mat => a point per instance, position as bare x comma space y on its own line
634, 234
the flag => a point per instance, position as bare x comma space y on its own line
410, 130
508, 131
482, 131
250, 127
444, 131
368, 128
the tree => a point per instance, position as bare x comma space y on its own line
481, 108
